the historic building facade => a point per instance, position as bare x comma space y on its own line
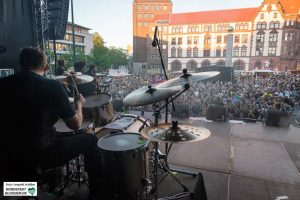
263, 37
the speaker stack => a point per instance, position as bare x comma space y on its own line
217, 113
278, 118
58, 17
181, 111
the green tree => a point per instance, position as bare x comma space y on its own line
97, 40
117, 57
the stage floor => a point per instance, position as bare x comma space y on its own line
238, 161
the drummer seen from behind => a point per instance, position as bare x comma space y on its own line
33, 104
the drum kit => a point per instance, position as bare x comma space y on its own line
128, 146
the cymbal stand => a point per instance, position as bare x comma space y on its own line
160, 158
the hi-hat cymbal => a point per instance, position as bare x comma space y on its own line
79, 79
180, 134
149, 95
188, 78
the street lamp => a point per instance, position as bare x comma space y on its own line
229, 47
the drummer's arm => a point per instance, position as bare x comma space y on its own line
74, 122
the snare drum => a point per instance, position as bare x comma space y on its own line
63, 131
99, 109
124, 165
124, 124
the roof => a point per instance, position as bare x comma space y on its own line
290, 6
208, 17
77, 25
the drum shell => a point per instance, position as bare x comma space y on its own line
124, 173
102, 113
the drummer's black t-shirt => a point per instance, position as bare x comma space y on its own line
30, 105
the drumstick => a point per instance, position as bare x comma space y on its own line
74, 85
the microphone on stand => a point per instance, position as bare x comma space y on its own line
155, 39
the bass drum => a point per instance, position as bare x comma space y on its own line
127, 123
124, 165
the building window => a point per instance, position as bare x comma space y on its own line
244, 38
195, 52
236, 51
139, 15
275, 16
146, 15
189, 40
274, 25
219, 39
273, 37
140, 6
140, 24
205, 63
177, 29
173, 41
224, 52
239, 65
157, 7
222, 27
260, 38
146, 24
206, 53
191, 66
261, 25
151, 15
244, 51
262, 16
207, 28
288, 36
179, 52
146, 7
196, 40
259, 51
179, 41
176, 65
237, 39
151, 7
272, 51
193, 29
189, 52
220, 63
173, 52
218, 53
207, 40
165, 7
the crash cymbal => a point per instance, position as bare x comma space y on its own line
187, 78
169, 133
78, 78
149, 95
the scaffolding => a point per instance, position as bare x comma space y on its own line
41, 23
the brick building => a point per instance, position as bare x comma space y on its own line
267, 36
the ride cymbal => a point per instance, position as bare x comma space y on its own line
149, 95
188, 79
169, 133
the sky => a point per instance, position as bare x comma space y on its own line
112, 19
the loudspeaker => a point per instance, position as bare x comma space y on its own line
217, 113
181, 111
58, 17
278, 118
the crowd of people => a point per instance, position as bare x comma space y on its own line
247, 97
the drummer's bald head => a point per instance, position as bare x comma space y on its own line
32, 58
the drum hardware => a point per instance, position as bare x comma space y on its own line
74, 170
75, 79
